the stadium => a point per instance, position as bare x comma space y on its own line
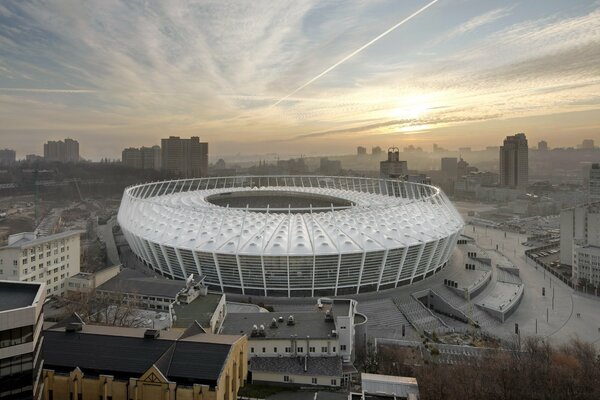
291, 236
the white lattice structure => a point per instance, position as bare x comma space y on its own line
389, 233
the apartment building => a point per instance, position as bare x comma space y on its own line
21, 321
44, 259
187, 158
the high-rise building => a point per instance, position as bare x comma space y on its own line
376, 150
46, 259
151, 157
131, 157
587, 144
185, 157
63, 151
142, 158
542, 145
393, 167
21, 322
450, 167
514, 162
580, 242
7, 157
361, 151
594, 183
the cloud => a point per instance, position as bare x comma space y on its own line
475, 23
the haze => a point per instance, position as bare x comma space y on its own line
463, 72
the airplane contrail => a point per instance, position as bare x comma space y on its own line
355, 52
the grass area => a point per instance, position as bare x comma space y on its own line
258, 391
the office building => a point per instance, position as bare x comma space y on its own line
46, 259
7, 157
514, 162
185, 157
392, 167
361, 151
98, 362
21, 321
302, 348
594, 183
542, 145
450, 167
62, 151
376, 151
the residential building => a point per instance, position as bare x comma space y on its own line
587, 144
99, 362
302, 348
376, 151
63, 151
7, 157
514, 162
21, 322
131, 157
580, 242
45, 259
330, 167
450, 167
185, 157
361, 151
392, 167
594, 183
542, 145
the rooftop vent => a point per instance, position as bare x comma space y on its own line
280, 319
333, 333
291, 321
274, 323
151, 334
328, 316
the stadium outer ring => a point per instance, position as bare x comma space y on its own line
394, 233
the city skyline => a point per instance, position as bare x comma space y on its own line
252, 77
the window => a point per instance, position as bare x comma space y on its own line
15, 263
286, 378
264, 349
314, 381
324, 349
274, 349
333, 349
288, 350
334, 382
15, 336
311, 349
300, 349
342, 347
251, 349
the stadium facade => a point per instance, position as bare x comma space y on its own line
291, 236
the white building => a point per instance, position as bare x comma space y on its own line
21, 322
302, 348
47, 259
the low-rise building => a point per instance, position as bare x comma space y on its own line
21, 321
91, 362
87, 282
46, 259
307, 348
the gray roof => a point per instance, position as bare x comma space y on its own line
15, 295
200, 310
42, 239
322, 366
307, 323
132, 281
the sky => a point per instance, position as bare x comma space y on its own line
297, 77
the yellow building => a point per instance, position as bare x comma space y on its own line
95, 362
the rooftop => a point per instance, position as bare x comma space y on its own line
320, 366
124, 353
28, 239
133, 281
15, 295
306, 323
201, 310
